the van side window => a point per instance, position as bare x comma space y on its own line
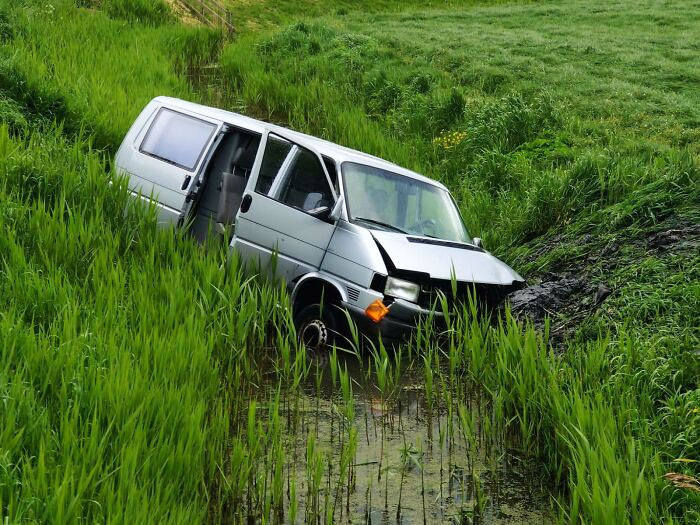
177, 139
293, 175
276, 150
305, 185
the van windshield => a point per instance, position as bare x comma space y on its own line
388, 201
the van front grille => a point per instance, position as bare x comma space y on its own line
489, 295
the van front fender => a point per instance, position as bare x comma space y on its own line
308, 285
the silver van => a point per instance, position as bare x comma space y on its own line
342, 228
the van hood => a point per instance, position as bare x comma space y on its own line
441, 259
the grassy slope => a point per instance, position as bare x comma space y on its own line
558, 121
94, 377
260, 15
101, 419
91, 71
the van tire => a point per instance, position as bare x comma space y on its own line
317, 326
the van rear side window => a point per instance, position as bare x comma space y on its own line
177, 139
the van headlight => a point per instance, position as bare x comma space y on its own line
402, 289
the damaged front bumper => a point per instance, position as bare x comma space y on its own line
402, 319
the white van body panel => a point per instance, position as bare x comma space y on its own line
149, 177
289, 239
353, 255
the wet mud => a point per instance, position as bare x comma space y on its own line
576, 287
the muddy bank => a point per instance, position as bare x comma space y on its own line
578, 281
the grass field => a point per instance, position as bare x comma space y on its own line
142, 384
558, 121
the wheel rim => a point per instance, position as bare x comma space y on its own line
314, 334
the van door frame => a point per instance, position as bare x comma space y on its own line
295, 141
250, 192
197, 181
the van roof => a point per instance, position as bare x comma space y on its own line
330, 149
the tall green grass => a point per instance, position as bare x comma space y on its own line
153, 12
116, 340
91, 71
141, 383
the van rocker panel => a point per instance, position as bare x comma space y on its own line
284, 267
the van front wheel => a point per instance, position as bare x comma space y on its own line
317, 326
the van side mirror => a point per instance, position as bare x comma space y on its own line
337, 209
477, 242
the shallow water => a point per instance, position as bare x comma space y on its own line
410, 451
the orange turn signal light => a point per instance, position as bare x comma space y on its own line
376, 311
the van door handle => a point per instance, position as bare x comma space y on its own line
245, 203
186, 182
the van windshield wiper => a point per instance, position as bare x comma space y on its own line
380, 223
